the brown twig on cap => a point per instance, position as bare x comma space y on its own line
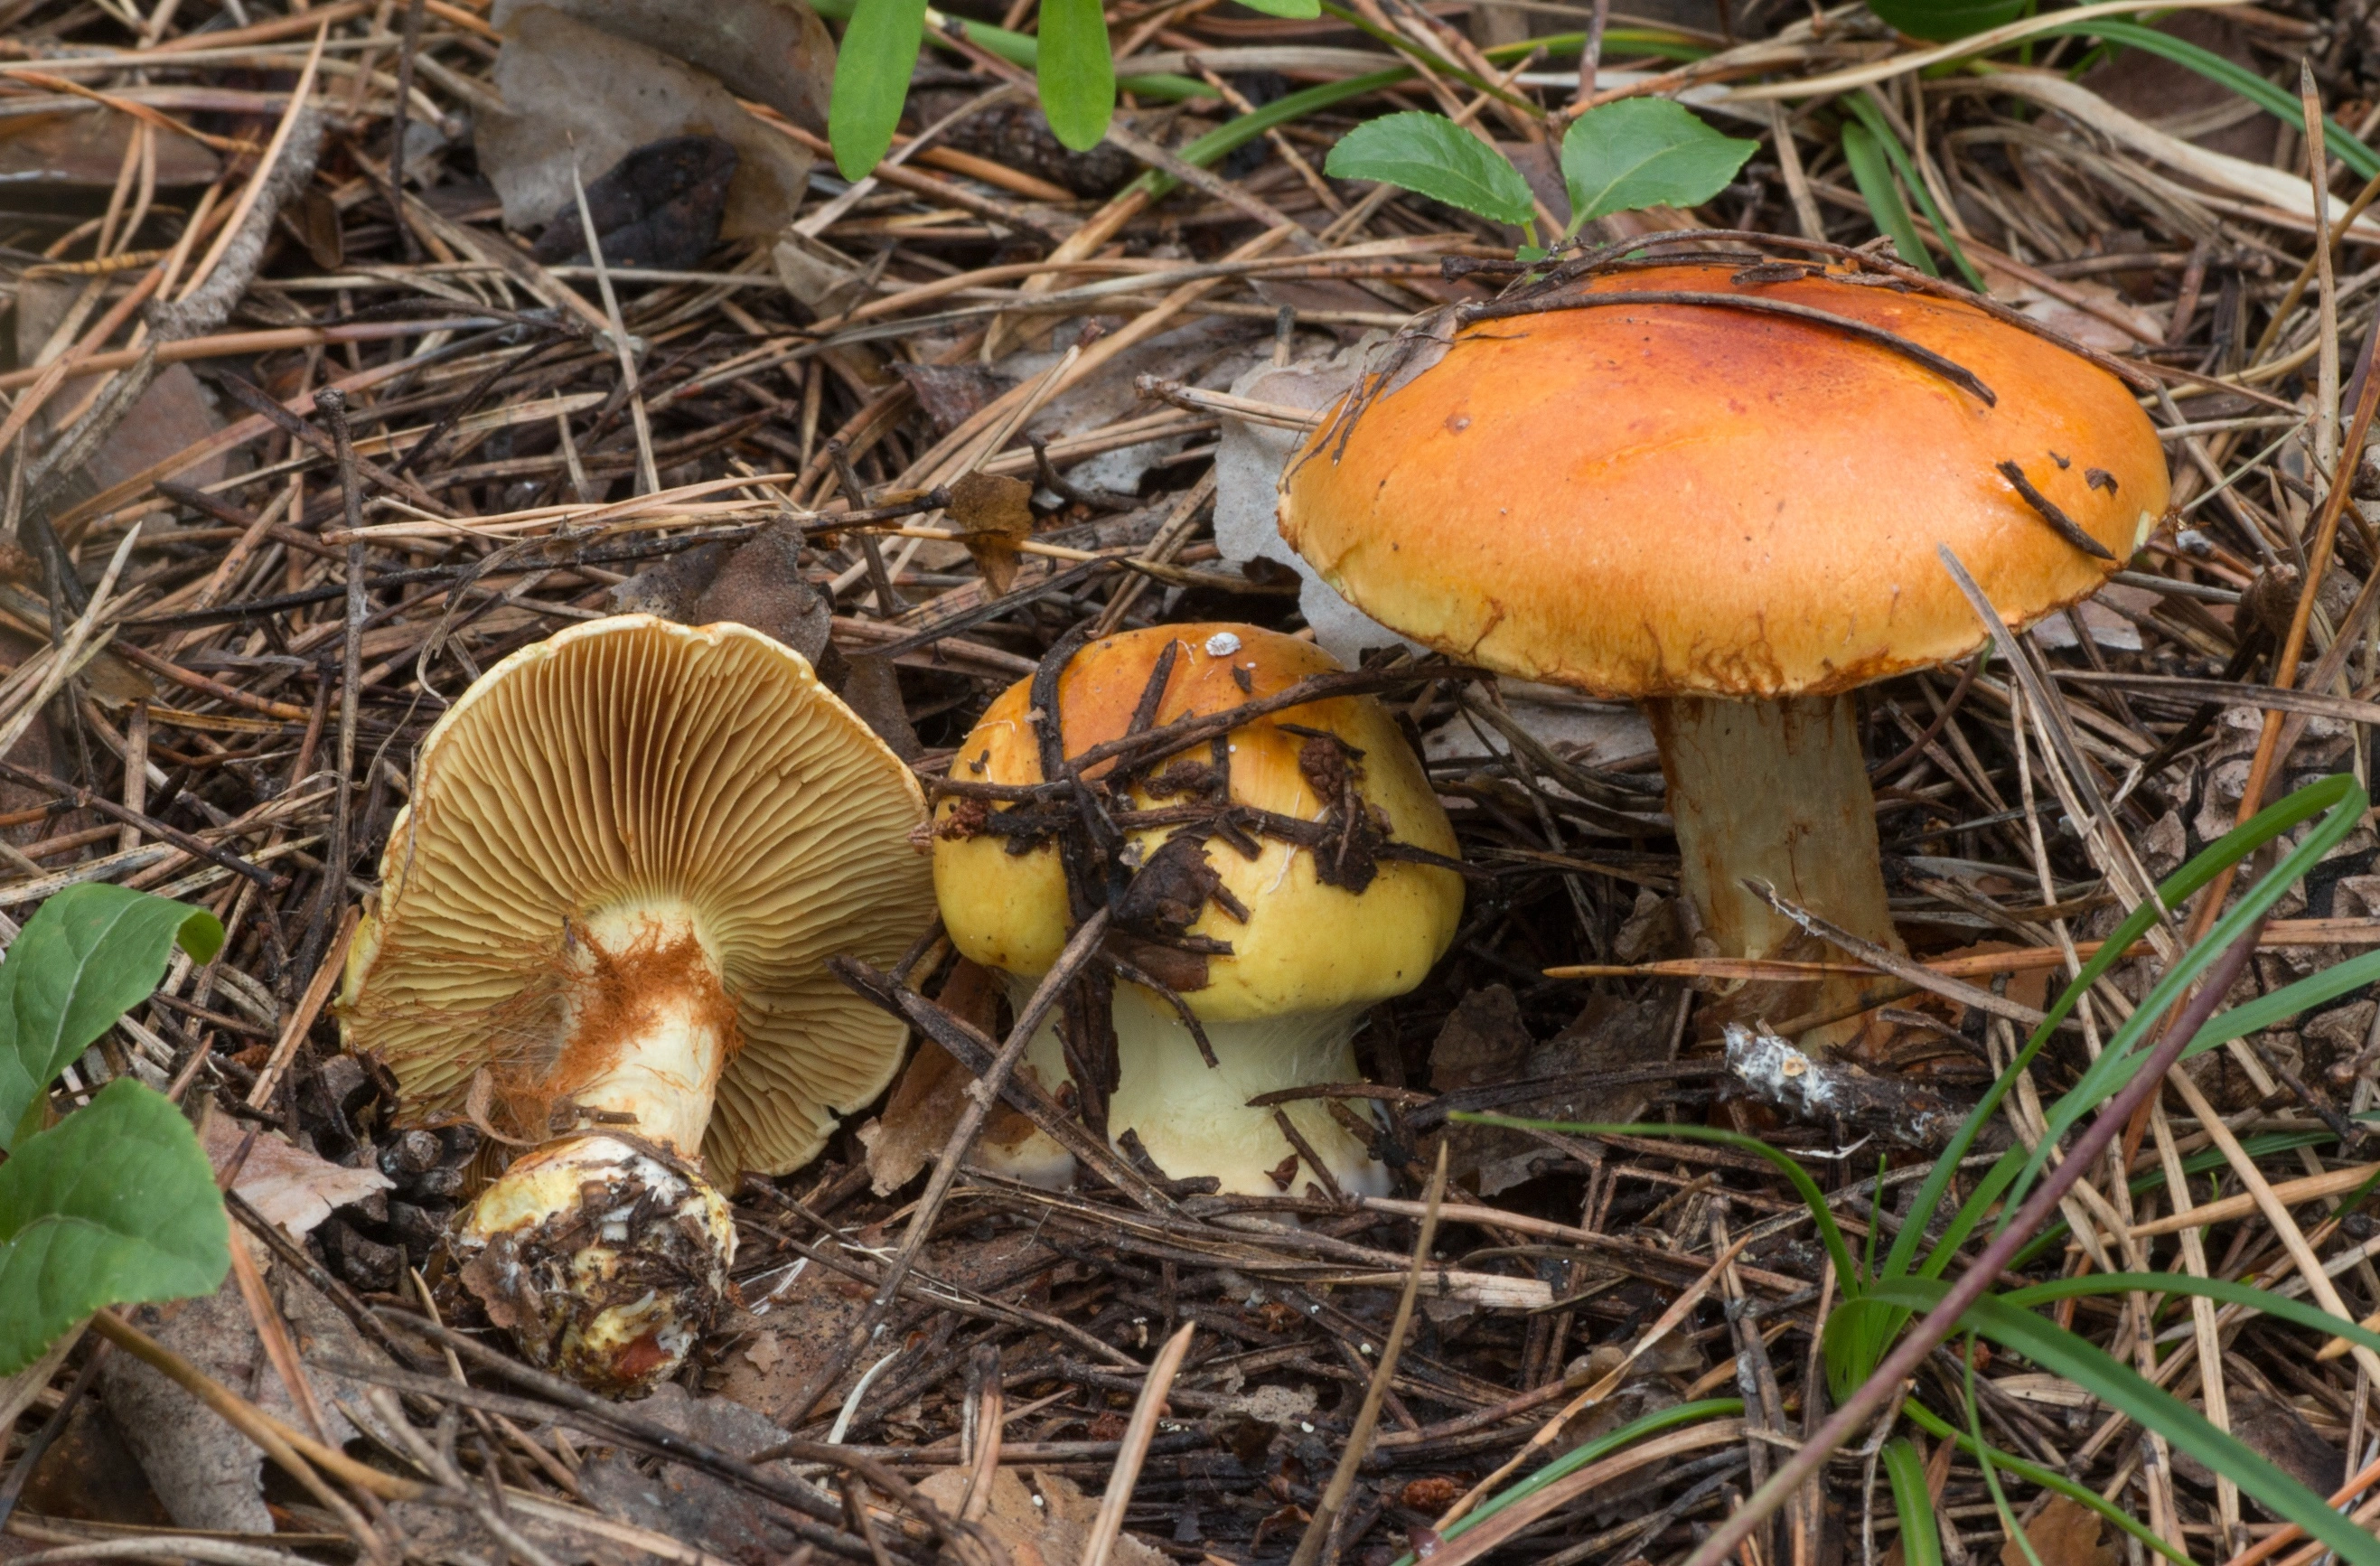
2065, 526
1889, 273
1952, 370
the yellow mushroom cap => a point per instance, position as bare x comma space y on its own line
632, 764
1307, 945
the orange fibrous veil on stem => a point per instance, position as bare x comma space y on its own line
586, 1012
612, 1002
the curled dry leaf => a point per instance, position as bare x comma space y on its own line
995, 512
549, 118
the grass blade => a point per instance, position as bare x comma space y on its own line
2109, 1073
1921, 1542
2265, 95
2123, 1389
1933, 1424
1872, 172
1873, 118
2224, 1290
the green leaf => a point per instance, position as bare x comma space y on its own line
1921, 1543
1296, 10
871, 82
1077, 72
115, 1205
1872, 172
1942, 20
2125, 1389
1644, 152
1432, 155
91, 955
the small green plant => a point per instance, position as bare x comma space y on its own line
115, 1204
1637, 152
1880, 1300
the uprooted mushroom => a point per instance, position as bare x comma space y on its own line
602, 934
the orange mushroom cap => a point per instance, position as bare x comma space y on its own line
1664, 499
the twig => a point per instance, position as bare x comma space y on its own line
1138, 1434
1367, 1415
980, 1096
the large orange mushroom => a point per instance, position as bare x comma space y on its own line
1721, 488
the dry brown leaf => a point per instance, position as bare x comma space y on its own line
996, 513
1044, 1519
478, 1100
2066, 1534
927, 1101
550, 117
289, 1185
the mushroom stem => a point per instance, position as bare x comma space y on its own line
1194, 1119
606, 1255
1773, 791
606, 1259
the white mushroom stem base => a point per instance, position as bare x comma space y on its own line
605, 1262
1193, 1118
606, 1255
1775, 790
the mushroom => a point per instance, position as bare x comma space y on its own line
602, 935
1730, 511
1277, 947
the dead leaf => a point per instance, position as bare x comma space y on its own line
927, 1101
2282, 1435
1043, 1518
69, 151
2093, 327
1483, 1040
951, 393
762, 585
660, 206
289, 1185
206, 1473
768, 51
996, 513
551, 118
2066, 1532
478, 1100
